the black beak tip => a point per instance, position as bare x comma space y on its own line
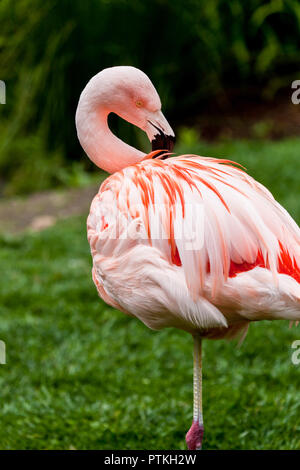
163, 142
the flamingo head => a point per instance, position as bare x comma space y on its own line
129, 93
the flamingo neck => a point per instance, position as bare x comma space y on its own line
105, 149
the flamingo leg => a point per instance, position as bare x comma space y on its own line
194, 436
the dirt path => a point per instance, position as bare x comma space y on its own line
41, 210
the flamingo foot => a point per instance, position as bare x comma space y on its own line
194, 436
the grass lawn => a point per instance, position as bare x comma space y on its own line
82, 375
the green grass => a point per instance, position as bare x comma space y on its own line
82, 375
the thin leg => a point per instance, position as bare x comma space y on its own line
194, 436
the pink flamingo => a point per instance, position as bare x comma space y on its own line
187, 242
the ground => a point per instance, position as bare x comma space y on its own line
44, 209
81, 375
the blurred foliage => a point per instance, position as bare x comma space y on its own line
193, 51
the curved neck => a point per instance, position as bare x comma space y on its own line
105, 149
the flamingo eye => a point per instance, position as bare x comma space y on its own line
139, 103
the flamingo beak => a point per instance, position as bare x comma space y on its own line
162, 141
160, 133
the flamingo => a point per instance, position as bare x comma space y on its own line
181, 241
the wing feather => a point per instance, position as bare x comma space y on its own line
206, 218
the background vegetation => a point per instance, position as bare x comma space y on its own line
79, 374
194, 51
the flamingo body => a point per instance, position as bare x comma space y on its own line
243, 264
